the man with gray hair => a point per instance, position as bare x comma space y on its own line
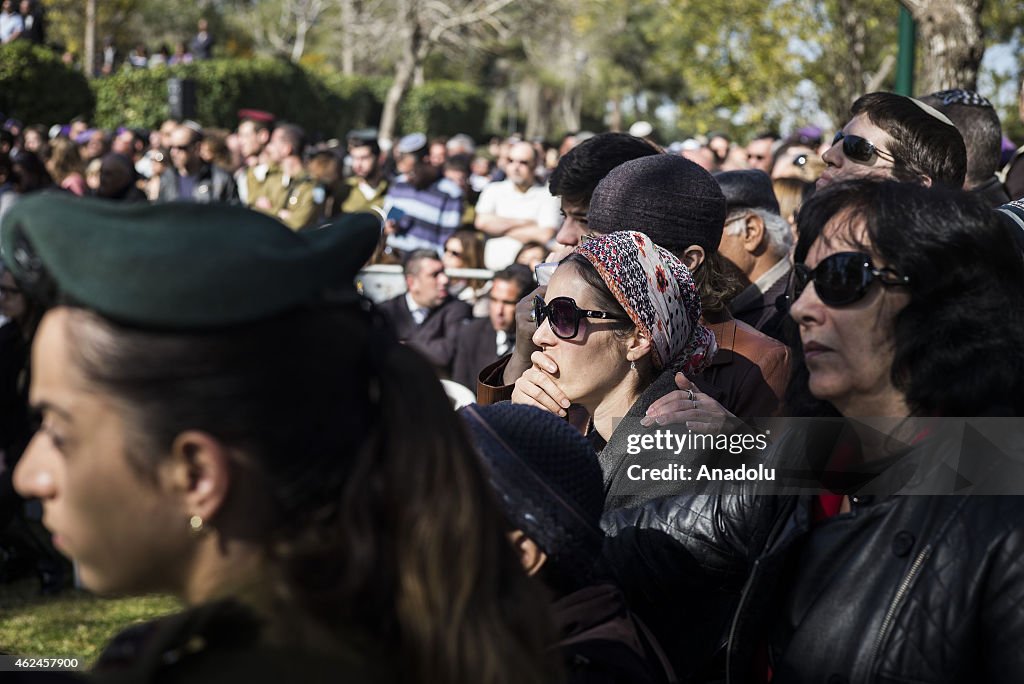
758, 241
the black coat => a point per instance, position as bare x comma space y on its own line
904, 588
475, 349
759, 310
213, 184
436, 337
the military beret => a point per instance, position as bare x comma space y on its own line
180, 265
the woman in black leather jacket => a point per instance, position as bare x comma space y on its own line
893, 559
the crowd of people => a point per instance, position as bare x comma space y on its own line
206, 406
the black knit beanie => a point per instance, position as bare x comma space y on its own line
669, 198
547, 479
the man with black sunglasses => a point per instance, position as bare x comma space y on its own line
190, 179
897, 137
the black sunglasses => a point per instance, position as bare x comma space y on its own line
565, 316
842, 278
861, 150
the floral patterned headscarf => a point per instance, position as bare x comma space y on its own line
658, 293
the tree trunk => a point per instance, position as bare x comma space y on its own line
299, 46
615, 119
89, 49
348, 33
413, 53
949, 32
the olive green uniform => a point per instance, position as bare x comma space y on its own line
216, 643
291, 198
356, 201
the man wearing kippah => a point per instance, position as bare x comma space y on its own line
978, 123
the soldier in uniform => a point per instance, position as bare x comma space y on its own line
284, 189
220, 422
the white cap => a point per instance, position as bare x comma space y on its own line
641, 129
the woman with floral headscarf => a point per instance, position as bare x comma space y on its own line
622, 316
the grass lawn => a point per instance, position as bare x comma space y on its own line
72, 624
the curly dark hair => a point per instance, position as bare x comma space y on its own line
583, 167
958, 341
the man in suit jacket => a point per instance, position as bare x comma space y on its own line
758, 241
483, 341
426, 317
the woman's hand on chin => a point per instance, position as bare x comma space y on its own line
537, 386
687, 406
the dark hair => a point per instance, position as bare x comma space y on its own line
423, 174
966, 280
982, 134
377, 532
583, 167
458, 162
922, 144
30, 173
411, 262
718, 282
764, 135
363, 142
518, 274
295, 135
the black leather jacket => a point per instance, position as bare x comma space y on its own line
904, 588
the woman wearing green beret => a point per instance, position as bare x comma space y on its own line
217, 410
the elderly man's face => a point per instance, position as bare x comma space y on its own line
521, 165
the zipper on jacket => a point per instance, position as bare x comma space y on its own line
897, 600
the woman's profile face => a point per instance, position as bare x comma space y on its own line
533, 256
12, 299
849, 349
453, 254
592, 363
127, 531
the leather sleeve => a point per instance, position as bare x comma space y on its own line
489, 387
1003, 607
682, 563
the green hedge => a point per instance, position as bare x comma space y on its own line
444, 108
138, 97
36, 87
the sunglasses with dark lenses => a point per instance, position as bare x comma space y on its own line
565, 316
842, 278
861, 150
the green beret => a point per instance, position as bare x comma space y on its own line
180, 265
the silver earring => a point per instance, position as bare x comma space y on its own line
632, 365
195, 523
